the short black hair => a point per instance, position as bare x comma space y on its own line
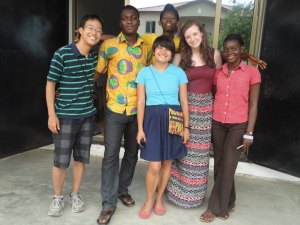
234, 37
130, 7
171, 8
164, 41
89, 17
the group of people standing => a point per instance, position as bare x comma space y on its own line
147, 75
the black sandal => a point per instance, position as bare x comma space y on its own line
126, 200
105, 215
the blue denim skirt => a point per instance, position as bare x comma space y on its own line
160, 145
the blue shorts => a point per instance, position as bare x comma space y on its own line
76, 135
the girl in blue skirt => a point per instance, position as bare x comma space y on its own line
160, 86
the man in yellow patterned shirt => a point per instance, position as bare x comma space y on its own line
121, 57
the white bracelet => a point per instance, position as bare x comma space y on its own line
249, 137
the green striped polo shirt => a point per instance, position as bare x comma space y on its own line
73, 74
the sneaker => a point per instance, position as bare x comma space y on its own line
56, 207
77, 202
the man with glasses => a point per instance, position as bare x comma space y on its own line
71, 113
121, 57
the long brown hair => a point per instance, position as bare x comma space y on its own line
186, 52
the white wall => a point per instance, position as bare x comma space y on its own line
200, 9
203, 12
149, 16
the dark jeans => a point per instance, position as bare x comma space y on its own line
116, 181
225, 138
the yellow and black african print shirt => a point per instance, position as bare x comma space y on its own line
122, 63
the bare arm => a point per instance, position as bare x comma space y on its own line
53, 122
141, 96
96, 75
256, 61
217, 58
106, 36
176, 59
185, 110
253, 108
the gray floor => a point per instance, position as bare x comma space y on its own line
26, 191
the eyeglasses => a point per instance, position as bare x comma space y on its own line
93, 29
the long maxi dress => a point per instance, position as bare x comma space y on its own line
189, 175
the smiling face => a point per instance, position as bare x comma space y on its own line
169, 21
129, 22
193, 36
232, 52
162, 54
91, 32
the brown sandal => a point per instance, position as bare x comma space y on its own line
207, 217
126, 200
231, 210
225, 217
105, 216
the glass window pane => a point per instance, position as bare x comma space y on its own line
150, 27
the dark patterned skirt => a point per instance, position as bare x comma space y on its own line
160, 145
188, 183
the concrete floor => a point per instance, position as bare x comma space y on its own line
26, 192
